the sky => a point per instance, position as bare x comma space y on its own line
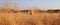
46, 4
41, 3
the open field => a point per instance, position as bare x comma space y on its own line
8, 17
10, 13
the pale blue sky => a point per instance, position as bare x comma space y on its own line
39, 3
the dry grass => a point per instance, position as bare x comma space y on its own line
19, 18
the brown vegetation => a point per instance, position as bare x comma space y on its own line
9, 17
28, 17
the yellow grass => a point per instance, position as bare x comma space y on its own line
20, 18
35, 17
